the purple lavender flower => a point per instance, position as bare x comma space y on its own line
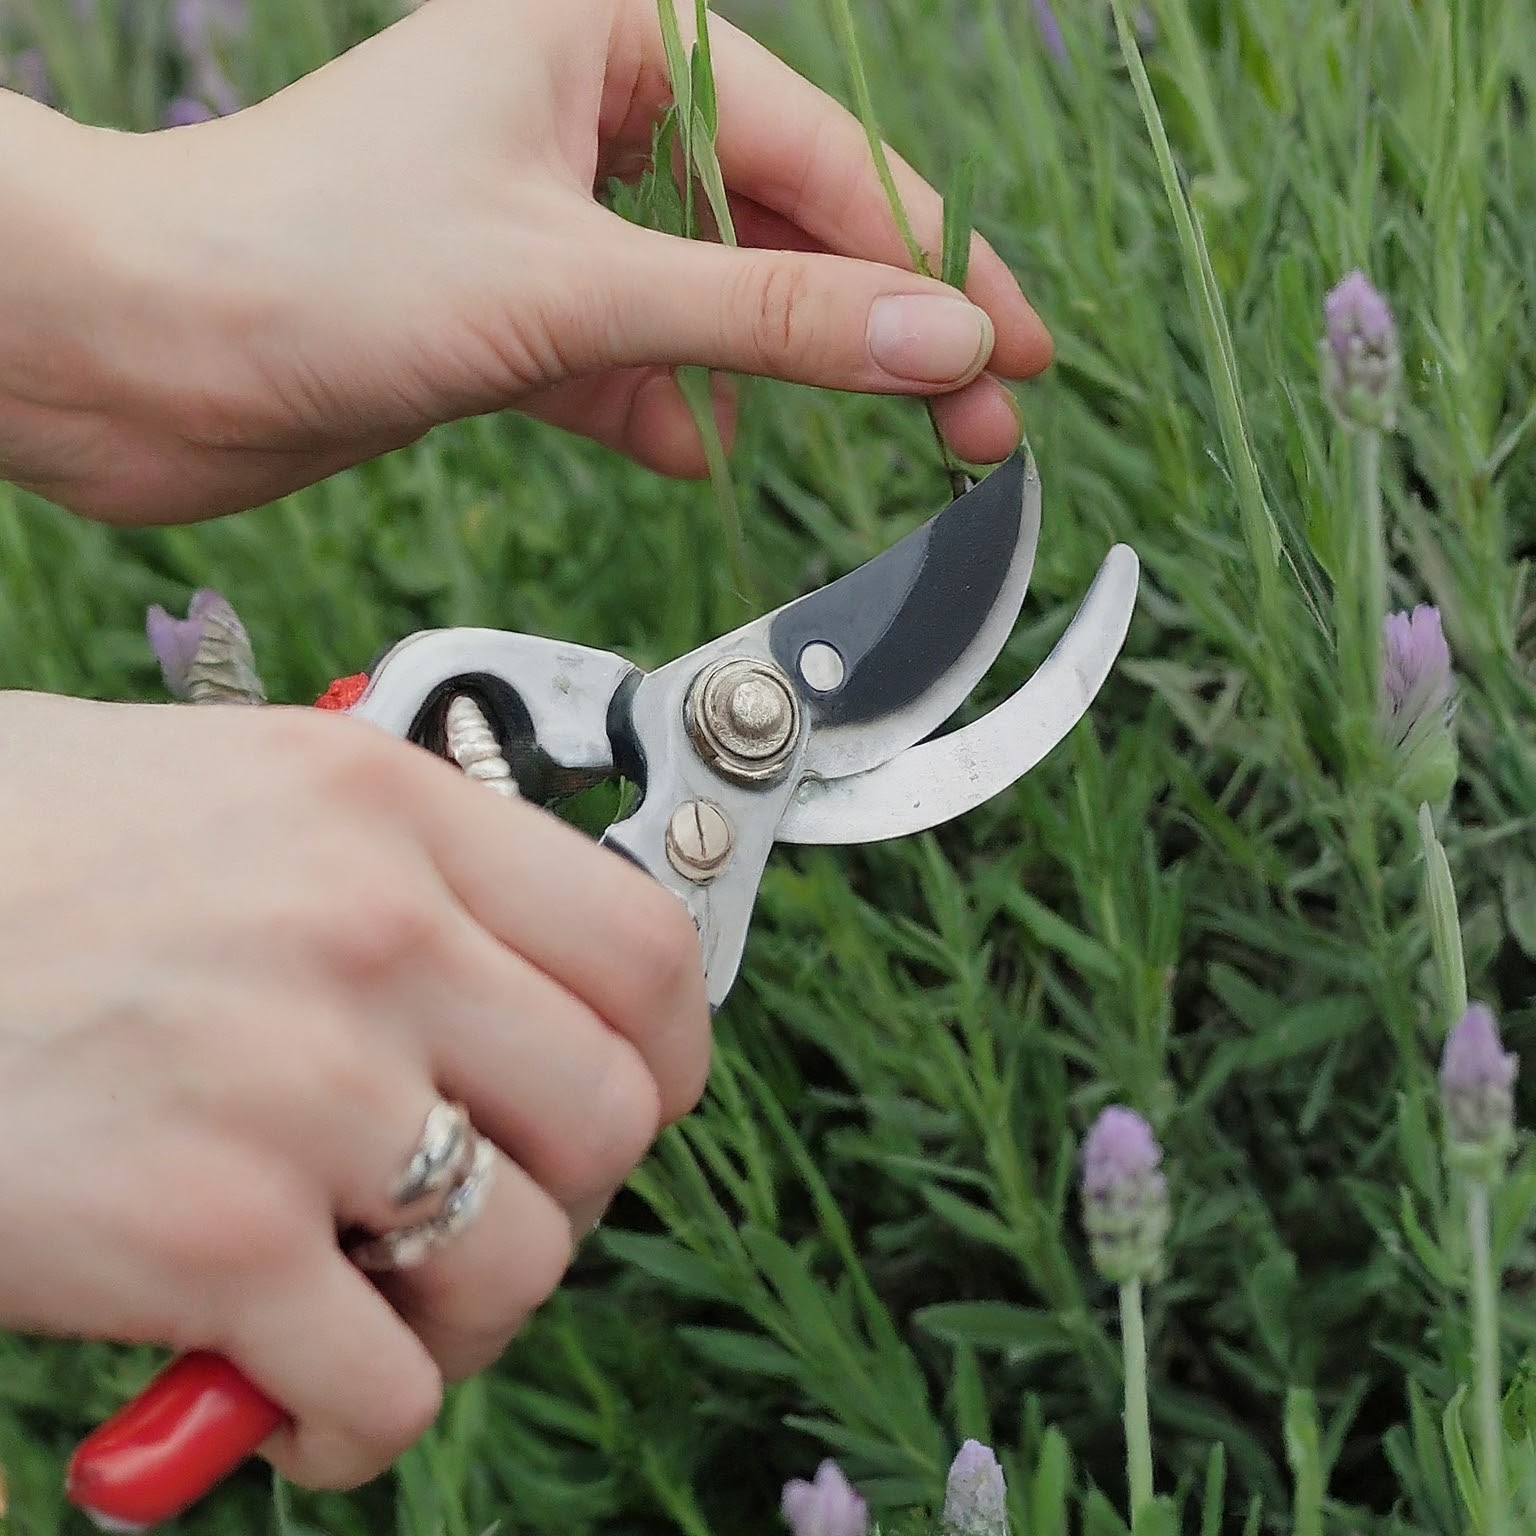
1477, 1082
185, 111
1125, 1197
205, 658
1051, 38
1362, 365
205, 30
975, 1496
826, 1507
27, 73
1417, 702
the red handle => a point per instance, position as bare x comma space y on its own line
185, 1432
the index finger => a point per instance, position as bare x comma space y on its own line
788, 146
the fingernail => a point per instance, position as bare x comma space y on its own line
929, 338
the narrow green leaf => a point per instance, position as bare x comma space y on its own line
968, 1397
1020, 1331
713, 182
1159, 1518
1459, 1454
1444, 921
1052, 1481
1101, 1518
678, 73
1304, 1454
702, 77
665, 1260
739, 1351
966, 1217
1215, 1492
957, 224
1260, 531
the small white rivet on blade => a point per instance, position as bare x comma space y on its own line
821, 667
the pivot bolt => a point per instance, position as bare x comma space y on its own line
699, 841
744, 718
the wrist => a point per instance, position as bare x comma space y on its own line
57, 256
99, 296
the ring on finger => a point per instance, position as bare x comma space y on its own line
450, 1156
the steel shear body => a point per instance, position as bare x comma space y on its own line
812, 724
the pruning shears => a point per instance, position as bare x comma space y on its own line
812, 724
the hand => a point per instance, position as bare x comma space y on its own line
241, 953
410, 235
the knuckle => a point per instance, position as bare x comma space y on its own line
330, 1061
607, 1142
383, 926
333, 757
232, 1222
669, 965
776, 301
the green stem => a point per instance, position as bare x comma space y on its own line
1485, 1352
1138, 1429
694, 386
1372, 572
842, 13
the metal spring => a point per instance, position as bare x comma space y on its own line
473, 746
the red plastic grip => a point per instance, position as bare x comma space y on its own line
185, 1432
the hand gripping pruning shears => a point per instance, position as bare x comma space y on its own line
813, 724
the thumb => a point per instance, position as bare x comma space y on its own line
810, 318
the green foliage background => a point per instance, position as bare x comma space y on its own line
1205, 904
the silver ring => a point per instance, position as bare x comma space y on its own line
406, 1247
450, 1156
445, 1148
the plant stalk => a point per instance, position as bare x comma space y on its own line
1138, 1429
1485, 1355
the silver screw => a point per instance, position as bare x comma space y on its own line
744, 718
699, 841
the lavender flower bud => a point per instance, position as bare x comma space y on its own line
826, 1507
27, 73
975, 1497
206, 657
1362, 367
1125, 1197
1417, 703
186, 110
1049, 27
1477, 1081
205, 30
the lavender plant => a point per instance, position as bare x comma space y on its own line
1477, 1079
1125, 1212
205, 658
826, 1506
975, 1494
873, 1257
1416, 701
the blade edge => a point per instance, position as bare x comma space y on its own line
930, 784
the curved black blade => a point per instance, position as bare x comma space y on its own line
915, 628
